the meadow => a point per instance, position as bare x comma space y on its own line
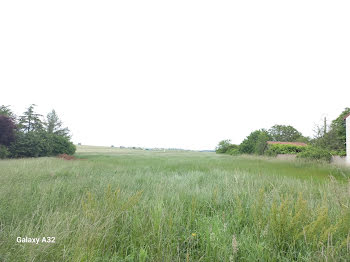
132, 205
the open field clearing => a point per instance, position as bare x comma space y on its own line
132, 205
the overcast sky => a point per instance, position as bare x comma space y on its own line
182, 74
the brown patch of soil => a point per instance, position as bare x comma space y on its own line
66, 157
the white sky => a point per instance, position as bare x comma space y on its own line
182, 74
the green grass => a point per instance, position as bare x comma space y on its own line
133, 205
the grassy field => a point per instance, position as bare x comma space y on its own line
132, 205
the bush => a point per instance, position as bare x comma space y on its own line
31, 144
261, 143
338, 153
60, 145
233, 151
315, 153
255, 143
341, 153
275, 149
225, 146
4, 153
37, 144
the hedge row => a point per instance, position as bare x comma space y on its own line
315, 153
275, 149
303, 152
37, 144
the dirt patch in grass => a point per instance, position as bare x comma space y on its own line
67, 157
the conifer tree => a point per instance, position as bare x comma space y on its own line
30, 121
54, 125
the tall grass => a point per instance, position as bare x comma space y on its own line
127, 205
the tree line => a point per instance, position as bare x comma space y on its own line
328, 140
32, 135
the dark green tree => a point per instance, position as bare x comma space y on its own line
255, 142
339, 129
35, 138
261, 143
335, 138
284, 133
30, 121
30, 144
60, 145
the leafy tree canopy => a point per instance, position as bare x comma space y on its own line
7, 130
335, 138
253, 143
338, 125
224, 146
284, 133
261, 145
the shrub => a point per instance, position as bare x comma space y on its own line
315, 153
254, 143
261, 143
233, 151
31, 144
225, 146
37, 144
338, 153
4, 153
60, 145
276, 149
342, 153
